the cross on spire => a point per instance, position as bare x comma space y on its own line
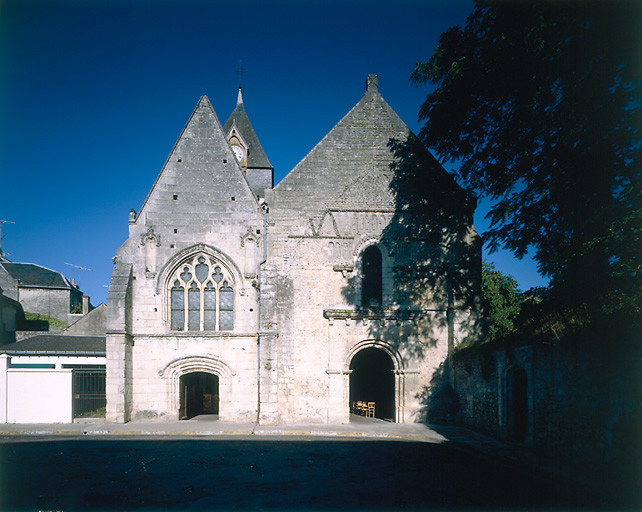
240, 71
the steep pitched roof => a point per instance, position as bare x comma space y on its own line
32, 275
91, 324
256, 157
358, 163
57, 344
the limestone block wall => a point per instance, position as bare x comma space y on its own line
159, 363
118, 377
321, 326
49, 301
582, 403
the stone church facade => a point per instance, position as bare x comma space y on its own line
349, 281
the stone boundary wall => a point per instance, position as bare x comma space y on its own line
583, 403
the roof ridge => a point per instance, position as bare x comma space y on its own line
371, 93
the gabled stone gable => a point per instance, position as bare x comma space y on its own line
201, 175
357, 166
201, 197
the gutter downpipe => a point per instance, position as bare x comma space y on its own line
264, 210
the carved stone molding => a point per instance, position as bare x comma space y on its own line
344, 269
377, 314
249, 237
150, 237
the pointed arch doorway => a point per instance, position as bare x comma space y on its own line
372, 380
199, 394
517, 404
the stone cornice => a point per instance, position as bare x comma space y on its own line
379, 312
196, 335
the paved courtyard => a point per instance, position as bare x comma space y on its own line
274, 473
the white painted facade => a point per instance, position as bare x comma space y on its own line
30, 393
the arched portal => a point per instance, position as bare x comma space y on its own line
517, 404
199, 394
372, 380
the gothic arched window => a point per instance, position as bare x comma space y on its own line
371, 283
201, 296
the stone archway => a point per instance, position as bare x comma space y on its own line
177, 374
372, 381
199, 394
380, 377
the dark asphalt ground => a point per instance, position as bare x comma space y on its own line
113, 474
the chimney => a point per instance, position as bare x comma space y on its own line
372, 83
85, 304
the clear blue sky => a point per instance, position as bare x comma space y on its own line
93, 95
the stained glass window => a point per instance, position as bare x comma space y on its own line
226, 308
194, 301
201, 296
209, 307
178, 306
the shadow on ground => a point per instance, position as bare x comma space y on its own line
242, 475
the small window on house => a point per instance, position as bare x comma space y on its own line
371, 283
202, 296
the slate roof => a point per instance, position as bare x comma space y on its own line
256, 157
354, 164
30, 274
57, 344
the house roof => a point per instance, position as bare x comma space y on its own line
32, 275
57, 344
91, 324
256, 157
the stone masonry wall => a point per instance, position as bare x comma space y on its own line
201, 205
583, 402
50, 302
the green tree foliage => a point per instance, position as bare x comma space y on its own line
539, 103
49, 319
504, 301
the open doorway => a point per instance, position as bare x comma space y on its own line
517, 404
199, 394
372, 384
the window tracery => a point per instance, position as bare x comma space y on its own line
201, 296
